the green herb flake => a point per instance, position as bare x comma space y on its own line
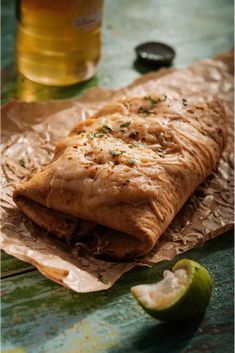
108, 128
125, 124
142, 110
101, 131
184, 102
92, 135
152, 100
22, 162
131, 161
155, 101
97, 134
115, 153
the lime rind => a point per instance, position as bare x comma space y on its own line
189, 302
163, 293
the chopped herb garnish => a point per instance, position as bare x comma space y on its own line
152, 100
101, 131
131, 161
125, 124
92, 135
142, 110
184, 101
115, 153
155, 101
22, 162
108, 128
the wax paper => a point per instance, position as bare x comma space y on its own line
29, 134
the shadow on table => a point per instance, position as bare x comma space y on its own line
19, 87
142, 68
163, 337
30, 91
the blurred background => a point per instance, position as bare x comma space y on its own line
196, 29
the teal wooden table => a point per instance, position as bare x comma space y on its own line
39, 316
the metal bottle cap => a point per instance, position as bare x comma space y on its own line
155, 54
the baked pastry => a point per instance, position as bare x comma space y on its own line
120, 177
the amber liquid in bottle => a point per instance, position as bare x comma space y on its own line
58, 41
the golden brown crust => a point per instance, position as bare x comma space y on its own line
53, 221
130, 168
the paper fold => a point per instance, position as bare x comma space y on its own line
29, 133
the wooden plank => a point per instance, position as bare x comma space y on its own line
135, 22
10, 265
41, 316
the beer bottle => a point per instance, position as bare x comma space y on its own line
58, 41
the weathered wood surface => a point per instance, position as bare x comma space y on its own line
39, 316
11, 266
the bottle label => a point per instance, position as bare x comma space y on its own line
88, 21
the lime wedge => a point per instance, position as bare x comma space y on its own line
183, 293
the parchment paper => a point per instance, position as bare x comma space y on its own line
29, 133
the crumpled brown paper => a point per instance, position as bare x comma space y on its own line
29, 133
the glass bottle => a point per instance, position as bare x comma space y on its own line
58, 41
